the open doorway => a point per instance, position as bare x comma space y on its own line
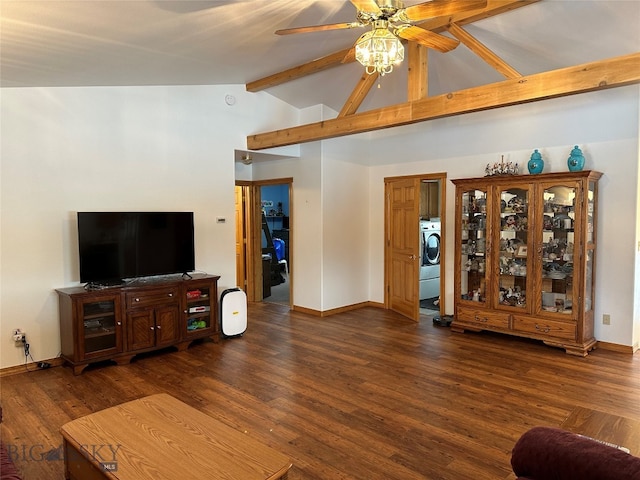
263, 240
430, 255
275, 211
410, 201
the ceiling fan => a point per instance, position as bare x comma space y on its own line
381, 48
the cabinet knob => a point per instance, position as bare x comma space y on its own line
171, 294
151, 327
119, 323
137, 299
159, 327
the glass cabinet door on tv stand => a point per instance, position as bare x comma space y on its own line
525, 254
100, 326
199, 298
90, 326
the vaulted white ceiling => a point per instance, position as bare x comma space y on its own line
203, 42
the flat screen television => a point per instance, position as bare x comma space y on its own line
114, 246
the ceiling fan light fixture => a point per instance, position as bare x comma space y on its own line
379, 50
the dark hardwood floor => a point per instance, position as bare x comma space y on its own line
359, 395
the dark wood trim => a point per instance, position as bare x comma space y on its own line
29, 367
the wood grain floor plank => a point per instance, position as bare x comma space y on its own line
361, 395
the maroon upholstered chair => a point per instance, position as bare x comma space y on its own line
545, 453
8, 470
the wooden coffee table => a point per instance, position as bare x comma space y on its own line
161, 438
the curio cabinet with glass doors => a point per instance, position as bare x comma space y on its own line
525, 256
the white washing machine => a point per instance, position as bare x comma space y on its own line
429, 259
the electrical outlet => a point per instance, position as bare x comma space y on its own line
18, 335
606, 319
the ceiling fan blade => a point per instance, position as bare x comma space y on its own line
427, 38
318, 28
440, 8
369, 6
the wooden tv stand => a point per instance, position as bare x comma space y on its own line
148, 314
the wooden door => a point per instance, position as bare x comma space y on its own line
140, 329
167, 329
241, 239
402, 267
248, 258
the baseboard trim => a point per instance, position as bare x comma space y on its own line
334, 311
29, 367
614, 347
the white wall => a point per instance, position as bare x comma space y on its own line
305, 260
172, 148
345, 191
130, 148
329, 220
604, 124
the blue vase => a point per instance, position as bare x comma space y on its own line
575, 162
536, 164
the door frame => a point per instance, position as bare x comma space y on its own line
388, 221
247, 219
252, 216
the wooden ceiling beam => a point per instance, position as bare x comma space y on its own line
439, 24
324, 63
493, 8
359, 94
614, 72
483, 52
417, 71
